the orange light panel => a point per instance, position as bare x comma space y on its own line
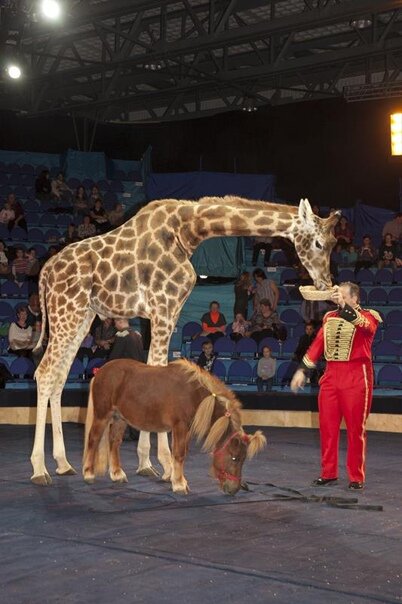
396, 133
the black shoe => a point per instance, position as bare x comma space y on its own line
356, 486
323, 482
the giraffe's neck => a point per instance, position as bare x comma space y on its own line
237, 217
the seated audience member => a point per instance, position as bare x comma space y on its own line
213, 322
86, 229
19, 216
265, 289
266, 370
19, 266
304, 342
20, 335
366, 255
60, 190
387, 253
34, 314
287, 248
337, 255
43, 186
71, 235
94, 195
80, 202
350, 255
7, 214
87, 347
207, 358
33, 265
4, 267
394, 227
344, 232
242, 290
99, 217
239, 327
266, 323
39, 352
262, 244
104, 338
116, 216
127, 342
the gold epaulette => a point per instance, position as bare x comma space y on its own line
375, 314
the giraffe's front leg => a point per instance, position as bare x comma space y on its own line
145, 468
164, 455
40, 474
64, 468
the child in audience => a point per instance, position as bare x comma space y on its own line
266, 370
350, 255
206, 360
239, 327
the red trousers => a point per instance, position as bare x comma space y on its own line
346, 391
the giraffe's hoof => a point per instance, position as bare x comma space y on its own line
181, 490
66, 472
42, 480
167, 476
148, 471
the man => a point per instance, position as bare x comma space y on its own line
304, 342
394, 227
34, 313
264, 244
346, 388
265, 323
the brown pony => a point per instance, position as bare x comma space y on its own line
179, 397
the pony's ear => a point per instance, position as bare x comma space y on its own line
305, 211
257, 442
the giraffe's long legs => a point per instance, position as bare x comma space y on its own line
40, 474
145, 468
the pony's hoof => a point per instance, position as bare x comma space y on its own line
119, 477
89, 479
244, 486
181, 489
148, 471
66, 472
42, 480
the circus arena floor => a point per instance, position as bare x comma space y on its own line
72, 543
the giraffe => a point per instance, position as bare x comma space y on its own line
143, 268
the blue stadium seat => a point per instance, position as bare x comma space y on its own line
290, 316
10, 289
48, 220
229, 329
6, 311
246, 347
283, 295
52, 235
63, 220
394, 317
363, 296
289, 274
240, 372
189, 330
196, 346
77, 370
219, 370
4, 232
289, 346
377, 295
31, 206
346, 274
225, 347
294, 295
22, 367
365, 276
18, 234
384, 276
41, 250
93, 364
390, 375
398, 275
35, 235
285, 372
271, 342
395, 295
393, 334
386, 351
299, 330
32, 218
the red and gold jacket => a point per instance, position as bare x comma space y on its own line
346, 334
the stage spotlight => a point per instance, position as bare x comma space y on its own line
14, 71
50, 9
396, 133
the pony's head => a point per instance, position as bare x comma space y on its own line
314, 239
228, 458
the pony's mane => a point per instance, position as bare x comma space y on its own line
219, 394
241, 202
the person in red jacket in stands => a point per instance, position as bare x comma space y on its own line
213, 322
346, 388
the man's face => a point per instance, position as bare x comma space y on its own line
366, 241
214, 308
309, 330
119, 324
349, 299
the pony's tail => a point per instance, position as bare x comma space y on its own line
101, 461
42, 304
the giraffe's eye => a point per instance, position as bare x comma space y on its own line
318, 245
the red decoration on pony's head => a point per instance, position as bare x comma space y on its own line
95, 370
227, 414
245, 438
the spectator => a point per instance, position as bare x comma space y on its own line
350, 255
116, 216
43, 186
86, 229
87, 347
266, 370
19, 267
394, 227
4, 267
19, 216
80, 203
242, 291
71, 235
344, 232
337, 256
304, 341
262, 244
213, 322
20, 334
95, 194
7, 215
265, 289
33, 309
239, 327
207, 358
52, 251
265, 323
288, 249
33, 265
99, 217
60, 191
37, 354
104, 338
367, 254
388, 252
127, 342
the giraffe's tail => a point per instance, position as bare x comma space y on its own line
42, 304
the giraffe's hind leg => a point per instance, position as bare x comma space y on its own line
40, 474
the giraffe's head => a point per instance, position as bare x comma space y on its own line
314, 239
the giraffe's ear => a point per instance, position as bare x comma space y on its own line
333, 219
305, 211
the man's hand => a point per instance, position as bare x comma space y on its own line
337, 297
298, 380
